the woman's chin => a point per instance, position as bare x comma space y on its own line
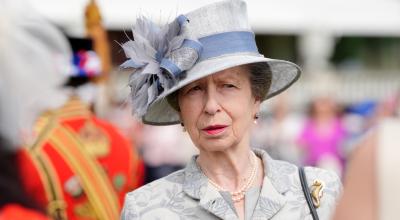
216, 145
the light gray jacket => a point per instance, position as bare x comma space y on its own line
186, 194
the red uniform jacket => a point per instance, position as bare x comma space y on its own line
80, 167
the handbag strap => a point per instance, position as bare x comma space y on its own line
307, 194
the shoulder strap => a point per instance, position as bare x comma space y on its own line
95, 182
56, 205
306, 192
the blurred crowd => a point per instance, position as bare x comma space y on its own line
325, 133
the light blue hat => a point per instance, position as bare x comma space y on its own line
210, 39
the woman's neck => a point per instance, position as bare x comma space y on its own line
230, 169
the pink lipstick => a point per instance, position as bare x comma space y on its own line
214, 129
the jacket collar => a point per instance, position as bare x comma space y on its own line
271, 198
196, 185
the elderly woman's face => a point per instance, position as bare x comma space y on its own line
218, 110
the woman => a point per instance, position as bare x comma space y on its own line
323, 135
204, 71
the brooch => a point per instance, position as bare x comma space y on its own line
317, 191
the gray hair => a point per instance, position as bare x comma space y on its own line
260, 80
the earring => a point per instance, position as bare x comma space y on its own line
183, 127
256, 116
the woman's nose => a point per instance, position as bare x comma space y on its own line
211, 103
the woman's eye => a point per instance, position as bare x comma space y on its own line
194, 89
229, 85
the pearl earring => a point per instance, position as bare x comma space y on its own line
256, 116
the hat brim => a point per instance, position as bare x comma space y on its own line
284, 74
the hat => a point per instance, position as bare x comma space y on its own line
205, 41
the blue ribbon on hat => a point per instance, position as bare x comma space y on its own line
215, 46
172, 67
227, 43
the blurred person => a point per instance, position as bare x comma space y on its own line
120, 115
371, 185
120, 112
79, 153
278, 132
357, 121
73, 168
32, 51
386, 107
323, 134
165, 149
359, 118
203, 71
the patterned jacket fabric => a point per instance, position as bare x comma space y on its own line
187, 194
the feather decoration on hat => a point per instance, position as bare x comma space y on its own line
151, 46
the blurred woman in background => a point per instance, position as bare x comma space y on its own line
323, 135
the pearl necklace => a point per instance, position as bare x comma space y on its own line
238, 195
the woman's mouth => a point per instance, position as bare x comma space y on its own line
214, 129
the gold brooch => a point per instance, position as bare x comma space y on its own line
317, 191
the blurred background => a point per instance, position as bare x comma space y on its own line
349, 51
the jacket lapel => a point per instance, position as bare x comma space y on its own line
271, 200
213, 202
196, 186
269, 203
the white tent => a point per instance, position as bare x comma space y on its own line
339, 17
317, 23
